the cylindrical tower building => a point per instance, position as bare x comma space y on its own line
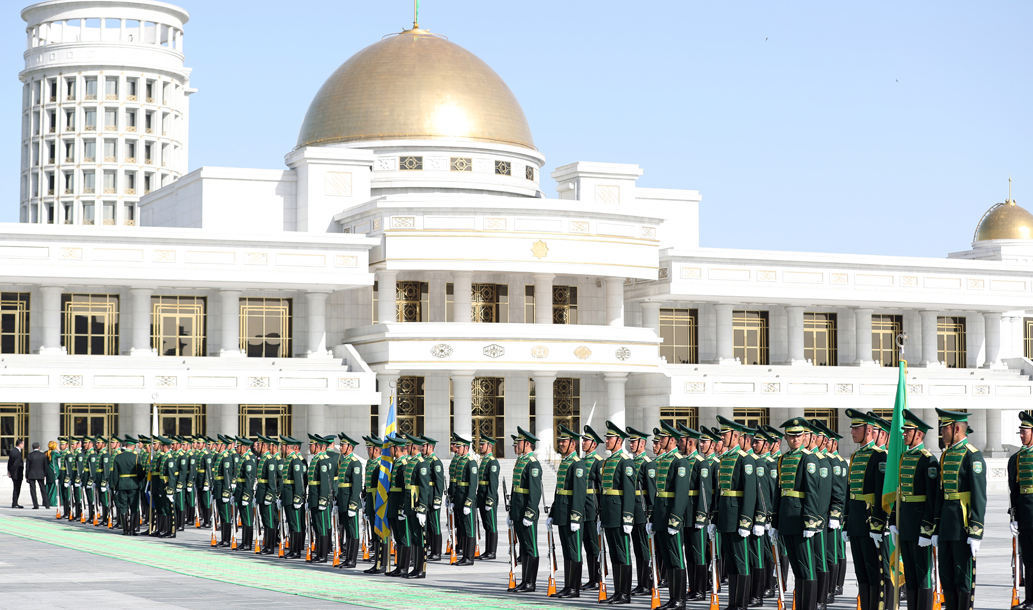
105, 108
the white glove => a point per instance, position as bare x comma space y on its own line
297, 506
509, 522
205, 488
267, 502
845, 537
876, 537
672, 532
225, 500
401, 517
322, 508
466, 510
767, 527
894, 530
936, 540
834, 524
66, 484
1014, 525
548, 522
974, 545
744, 533
419, 517
808, 533
170, 499
574, 527
598, 527
452, 506
351, 513
924, 542
526, 522
649, 529
242, 502
699, 526
627, 529
774, 534
233, 486
758, 530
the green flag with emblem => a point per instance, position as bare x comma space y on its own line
895, 446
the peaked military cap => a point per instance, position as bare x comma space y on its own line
415, 440
912, 421
428, 440
527, 436
667, 429
394, 440
245, 441
372, 437
818, 428
879, 422
163, 440
796, 426
613, 429
347, 439
950, 417
489, 439
591, 434
289, 440
656, 433
773, 432
315, 439
374, 441
567, 433
710, 433
858, 419
636, 435
688, 432
748, 431
825, 430
458, 440
727, 424
130, 440
1025, 420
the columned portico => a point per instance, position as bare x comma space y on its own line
386, 296
543, 411
930, 357
229, 335
794, 324
141, 337
141, 418
994, 447
51, 321
316, 310
863, 336
462, 289
462, 400
615, 301
543, 298
615, 411
992, 334
229, 419
50, 422
651, 315
725, 346
317, 419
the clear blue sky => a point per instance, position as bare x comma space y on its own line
877, 127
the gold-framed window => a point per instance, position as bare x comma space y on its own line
181, 420
266, 327
1027, 337
14, 322
679, 330
751, 416
885, 329
410, 404
269, 420
487, 410
887, 414
89, 325
529, 304
950, 341
14, 427
564, 304
687, 416
829, 417
179, 325
89, 419
412, 301
819, 338
750, 336
566, 405
489, 303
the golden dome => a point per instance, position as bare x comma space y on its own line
415, 85
1005, 221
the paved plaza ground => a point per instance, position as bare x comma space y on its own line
52, 564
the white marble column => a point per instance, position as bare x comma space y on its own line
49, 422
863, 336
1007, 342
317, 419
1018, 334
51, 321
141, 418
141, 336
725, 346
615, 301
462, 399
992, 339
543, 298
387, 296
615, 411
994, 446
462, 291
229, 419
229, 332
316, 319
387, 385
651, 315
794, 335
930, 357
543, 412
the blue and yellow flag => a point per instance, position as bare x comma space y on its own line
382, 526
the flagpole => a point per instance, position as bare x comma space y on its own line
901, 342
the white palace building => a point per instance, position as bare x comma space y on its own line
410, 247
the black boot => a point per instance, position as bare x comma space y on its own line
565, 591
399, 570
950, 599
830, 584
964, 599
615, 592
923, 600
640, 576
530, 575
418, 571
491, 545
756, 589
820, 596
810, 594
673, 592
625, 585
593, 574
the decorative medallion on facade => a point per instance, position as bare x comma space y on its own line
579, 226
539, 351
494, 224
839, 278
410, 164
257, 258
914, 388
347, 383
164, 256
691, 273
772, 388
649, 232
402, 222
695, 387
582, 352
622, 353
165, 381
976, 284
345, 260
441, 350
981, 390
71, 253
258, 383
908, 281
494, 350
767, 276
540, 249
844, 388
71, 381
461, 164
662, 273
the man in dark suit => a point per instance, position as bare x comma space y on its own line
36, 473
15, 471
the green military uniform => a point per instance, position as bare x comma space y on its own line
695, 518
757, 540
1020, 494
63, 482
89, 479
593, 461
185, 484
832, 537
567, 513
267, 494
767, 482
488, 499
349, 501
959, 515
525, 508
223, 482
617, 512
292, 498
417, 505
820, 542
670, 514
320, 498
127, 476
465, 484
244, 494
76, 463
913, 515
645, 495
203, 482
437, 490
396, 508
104, 487
459, 542
53, 478
799, 514
369, 505
736, 510
169, 478
864, 515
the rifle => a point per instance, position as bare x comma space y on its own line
337, 538
552, 560
309, 543
602, 563
282, 530
937, 594
363, 534
1015, 572
235, 520
477, 532
512, 540
215, 519
778, 574
256, 519
714, 604
654, 601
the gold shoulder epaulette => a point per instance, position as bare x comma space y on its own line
806, 451
598, 457
742, 453
971, 448
699, 458
646, 458
532, 458
926, 452
879, 449
678, 455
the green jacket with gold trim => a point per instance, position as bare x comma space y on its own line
920, 491
1020, 487
737, 491
798, 501
863, 511
617, 502
960, 511
568, 503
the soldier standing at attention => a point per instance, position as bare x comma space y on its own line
818, 542
775, 452
839, 490
1020, 492
658, 553
76, 465
126, 477
863, 512
349, 500
959, 517
567, 512
244, 495
736, 508
58, 466
369, 502
488, 497
203, 484
222, 488
912, 519
696, 513
525, 507
761, 514
292, 496
320, 496
590, 442
799, 515
268, 491
417, 505
645, 494
396, 505
669, 510
766, 485
617, 510
437, 488
184, 483
464, 500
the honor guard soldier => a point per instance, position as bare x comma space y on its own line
267, 491
761, 514
437, 489
369, 499
833, 538
458, 543
617, 510
244, 494
292, 496
959, 516
645, 494
775, 452
818, 542
799, 515
396, 504
349, 500
658, 553
736, 508
913, 514
488, 497
696, 514
223, 483
669, 511
320, 495
75, 465
1020, 492
767, 484
127, 477
865, 519
417, 505
567, 512
64, 483
464, 500
525, 507
184, 483
590, 442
